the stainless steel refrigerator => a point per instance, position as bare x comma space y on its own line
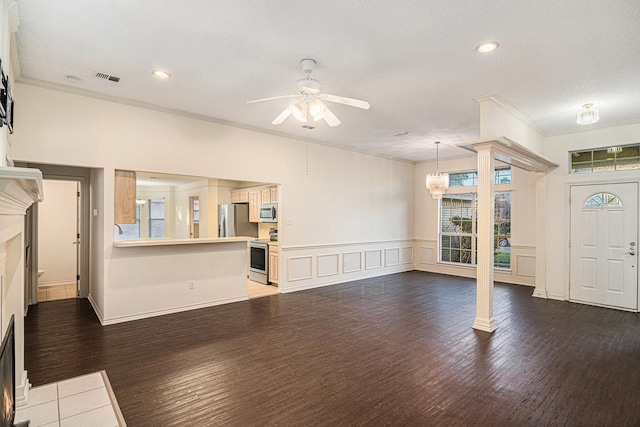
233, 220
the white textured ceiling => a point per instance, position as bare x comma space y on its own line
413, 60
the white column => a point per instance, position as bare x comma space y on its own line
541, 232
486, 204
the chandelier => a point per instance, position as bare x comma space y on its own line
437, 183
588, 115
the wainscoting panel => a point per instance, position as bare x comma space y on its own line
328, 265
300, 268
426, 252
521, 272
306, 267
351, 262
406, 256
372, 259
391, 257
526, 265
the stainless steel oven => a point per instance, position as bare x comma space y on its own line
259, 261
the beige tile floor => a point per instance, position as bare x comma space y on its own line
82, 401
55, 292
257, 290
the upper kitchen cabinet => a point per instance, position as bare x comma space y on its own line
270, 195
125, 197
265, 195
255, 199
239, 196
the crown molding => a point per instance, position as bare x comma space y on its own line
19, 189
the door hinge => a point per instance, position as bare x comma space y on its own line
78, 235
78, 194
569, 242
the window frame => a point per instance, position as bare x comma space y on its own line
153, 219
505, 187
627, 158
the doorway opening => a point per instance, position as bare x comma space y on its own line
73, 203
58, 222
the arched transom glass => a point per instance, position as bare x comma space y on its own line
600, 200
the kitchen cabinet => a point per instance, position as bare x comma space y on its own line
274, 194
273, 263
124, 190
239, 196
255, 198
266, 195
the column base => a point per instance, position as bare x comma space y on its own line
22, 389
486, 325
540, 293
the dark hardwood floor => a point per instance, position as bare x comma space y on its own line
393, 350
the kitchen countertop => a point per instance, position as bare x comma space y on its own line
172, 242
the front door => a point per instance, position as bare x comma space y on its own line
604, 239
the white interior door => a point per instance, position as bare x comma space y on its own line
604, 238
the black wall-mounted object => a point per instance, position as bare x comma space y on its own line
6, 101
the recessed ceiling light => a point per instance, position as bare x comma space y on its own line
73, 79
487, 47
161, 74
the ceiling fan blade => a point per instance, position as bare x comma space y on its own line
330, 118
269, 99
346, 101
282, 117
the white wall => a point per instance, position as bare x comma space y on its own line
523, 222
57, 228
344, 200
558, 184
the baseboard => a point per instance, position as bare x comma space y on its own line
540, 293
58, 283
146, 315
22, 389
96, 309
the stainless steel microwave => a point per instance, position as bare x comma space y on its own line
269, 212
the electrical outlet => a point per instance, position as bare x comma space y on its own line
192, 284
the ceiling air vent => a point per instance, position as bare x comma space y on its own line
107, 77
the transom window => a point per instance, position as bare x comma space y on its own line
602, 200
608, 159
467, 179
458, 228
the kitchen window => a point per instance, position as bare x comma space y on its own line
156, 218
458, 229
130, 231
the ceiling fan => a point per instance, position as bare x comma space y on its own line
310, 105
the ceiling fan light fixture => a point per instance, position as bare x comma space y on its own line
299, 110
588, 115
316, 109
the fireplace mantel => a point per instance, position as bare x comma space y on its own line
19, 189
